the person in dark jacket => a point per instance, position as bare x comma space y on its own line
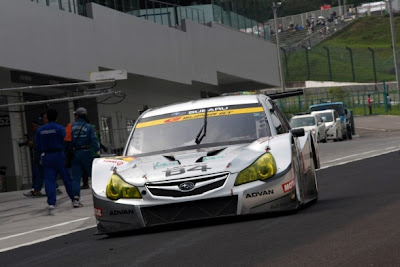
50, 145
84, 142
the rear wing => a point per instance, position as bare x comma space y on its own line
286, 94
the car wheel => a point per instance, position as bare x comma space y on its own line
349, 133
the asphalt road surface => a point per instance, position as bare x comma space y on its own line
354, 223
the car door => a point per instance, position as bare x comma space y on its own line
299, 157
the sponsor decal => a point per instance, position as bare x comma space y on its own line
121, 212
126, 158
198, 114
98, 212
212, 158
183, 169
161, 165
260, 193
288, 186
117, 162
208, 110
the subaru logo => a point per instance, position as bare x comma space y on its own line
186, 186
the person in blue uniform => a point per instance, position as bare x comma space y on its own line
50, 143
84, 142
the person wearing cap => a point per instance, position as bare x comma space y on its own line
50, 142
84, 142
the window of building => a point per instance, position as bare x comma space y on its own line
106, 129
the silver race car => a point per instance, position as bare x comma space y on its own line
216, 157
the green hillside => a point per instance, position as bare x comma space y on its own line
370, 31
367, 65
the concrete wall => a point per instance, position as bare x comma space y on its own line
45, 40
165, 65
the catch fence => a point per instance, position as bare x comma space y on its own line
354, 101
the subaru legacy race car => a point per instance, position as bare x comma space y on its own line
210, 158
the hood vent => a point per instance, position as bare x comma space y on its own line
211, 153
171, 158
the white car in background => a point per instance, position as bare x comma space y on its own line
332, 123
312, 123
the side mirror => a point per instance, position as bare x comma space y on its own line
297, 132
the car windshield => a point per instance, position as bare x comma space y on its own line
242, 123
338, 107
302, 122
327, 115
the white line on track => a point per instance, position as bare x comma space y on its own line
380, 152
374, 129
47, 238
44, 228
364, 153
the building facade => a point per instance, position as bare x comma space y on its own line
165, 64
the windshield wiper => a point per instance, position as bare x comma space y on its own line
203, 130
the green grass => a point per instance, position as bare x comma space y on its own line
367, 32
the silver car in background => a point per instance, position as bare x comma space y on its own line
312, 123
332, 122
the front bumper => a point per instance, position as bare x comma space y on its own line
275, 194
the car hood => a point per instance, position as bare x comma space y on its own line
194, 162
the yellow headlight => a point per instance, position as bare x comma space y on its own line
117, 188
263, 168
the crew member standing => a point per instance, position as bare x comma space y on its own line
369, 103
83, 141
51, 144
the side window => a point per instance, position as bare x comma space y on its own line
278, 119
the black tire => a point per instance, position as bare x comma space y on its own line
349, 133
344, 135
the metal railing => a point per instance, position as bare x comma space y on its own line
157, 11
310, 28
170, 14
354, 98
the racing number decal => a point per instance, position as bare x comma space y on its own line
181, 170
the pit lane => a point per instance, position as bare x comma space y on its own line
354, 223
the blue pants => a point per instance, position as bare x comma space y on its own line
38, 176
53, 164
82, 161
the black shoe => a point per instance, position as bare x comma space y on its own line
34, 193
85, 186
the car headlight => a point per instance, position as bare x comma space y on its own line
263, 168
118, 188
